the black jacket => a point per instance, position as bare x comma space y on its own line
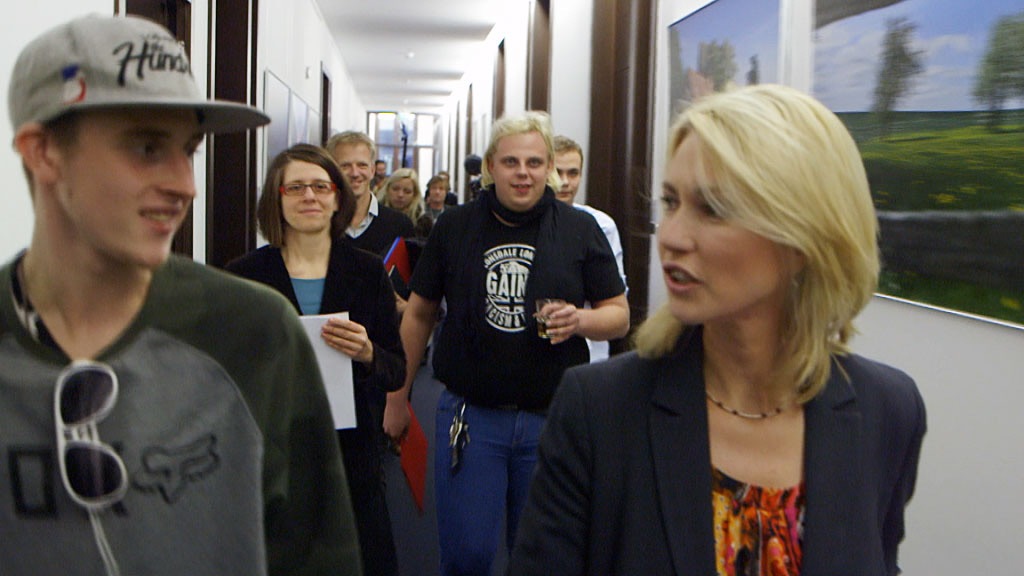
356, 283
623, 480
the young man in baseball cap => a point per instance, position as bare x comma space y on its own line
153, 421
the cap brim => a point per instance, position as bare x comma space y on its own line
215, 116
219, 117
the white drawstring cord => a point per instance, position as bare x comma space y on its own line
104, 546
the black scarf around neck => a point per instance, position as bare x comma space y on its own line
490, 199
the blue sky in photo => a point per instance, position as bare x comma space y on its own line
752, 26
952, 33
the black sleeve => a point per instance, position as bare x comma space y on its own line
894, 530
388, 372
601, 278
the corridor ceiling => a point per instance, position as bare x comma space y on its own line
410, 55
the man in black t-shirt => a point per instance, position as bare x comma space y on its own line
490, 260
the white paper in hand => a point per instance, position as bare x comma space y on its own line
336, 370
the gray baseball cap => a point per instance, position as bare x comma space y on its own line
102, 62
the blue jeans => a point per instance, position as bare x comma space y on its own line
492, 481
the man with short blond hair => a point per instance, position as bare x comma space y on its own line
374, 227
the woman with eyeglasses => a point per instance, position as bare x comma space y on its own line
303, 211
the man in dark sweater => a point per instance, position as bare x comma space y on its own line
374, 227
218, 453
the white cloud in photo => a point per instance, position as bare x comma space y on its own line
848, 54
845, 66
940, 88
948, 76
960, 44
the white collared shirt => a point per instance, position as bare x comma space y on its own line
599, 349
355, 232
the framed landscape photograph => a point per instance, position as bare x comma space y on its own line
932, 92
726, 43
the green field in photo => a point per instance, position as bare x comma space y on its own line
945, 161
964, 296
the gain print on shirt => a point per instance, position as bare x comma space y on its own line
508, 267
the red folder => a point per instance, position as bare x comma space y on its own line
398, 259
414, 460
414, 446
396, 263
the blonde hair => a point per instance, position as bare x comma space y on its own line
522, 123
351, 138
415, 209
786, 168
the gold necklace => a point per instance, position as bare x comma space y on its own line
740, 413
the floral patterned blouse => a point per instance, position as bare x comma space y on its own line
758, 531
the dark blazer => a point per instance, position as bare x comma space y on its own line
623, 482
356, 283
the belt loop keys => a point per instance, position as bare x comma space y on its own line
458, 436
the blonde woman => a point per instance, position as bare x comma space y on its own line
401, 191
742, 436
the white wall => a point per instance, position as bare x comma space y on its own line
199, 48
299, 26
32, 18
515, 24
964, 518
572, 23
513, 29
480, 76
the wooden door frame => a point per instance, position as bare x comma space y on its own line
621, 131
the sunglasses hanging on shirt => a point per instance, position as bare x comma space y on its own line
93, 473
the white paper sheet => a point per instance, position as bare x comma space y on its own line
336, 369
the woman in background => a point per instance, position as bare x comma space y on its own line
401, 191
742, 437
303, 211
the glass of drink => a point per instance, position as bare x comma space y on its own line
545, 306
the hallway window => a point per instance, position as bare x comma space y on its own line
405, 140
